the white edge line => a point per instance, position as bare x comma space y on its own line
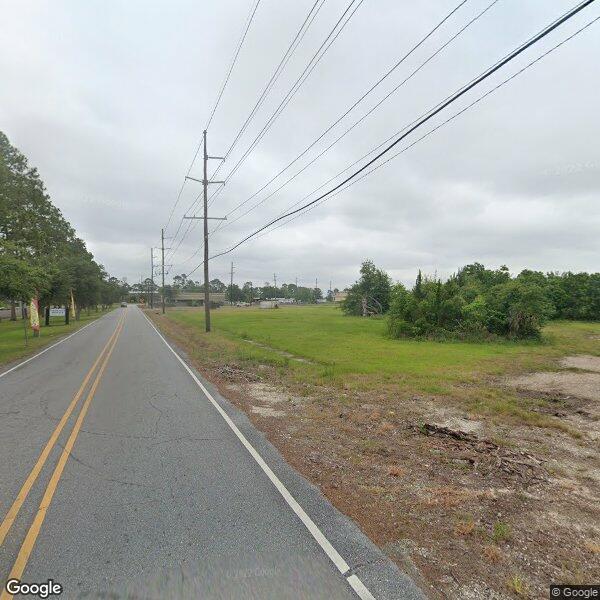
342, 566
49, 348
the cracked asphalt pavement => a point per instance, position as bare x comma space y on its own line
158, 497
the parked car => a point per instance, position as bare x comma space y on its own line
124, 304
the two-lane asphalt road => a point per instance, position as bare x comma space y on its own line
123, 474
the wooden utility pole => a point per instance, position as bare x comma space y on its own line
151, 277
231, 286
162, 250
205, 183
205, 193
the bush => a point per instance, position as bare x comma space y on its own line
518, 309
473, 304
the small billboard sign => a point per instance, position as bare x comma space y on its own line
57, 312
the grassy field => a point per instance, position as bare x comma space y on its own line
12, 337
353, 352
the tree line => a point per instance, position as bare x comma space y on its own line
475, 302
248, 291
40, 253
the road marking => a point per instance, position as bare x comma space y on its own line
34, 530
48, 348
342, 566
24, 491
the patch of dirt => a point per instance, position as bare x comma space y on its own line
585, 362
267, 411
566, 383
269, 394
468, 507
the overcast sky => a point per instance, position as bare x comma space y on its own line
109, 98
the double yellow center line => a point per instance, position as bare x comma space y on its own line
34, 530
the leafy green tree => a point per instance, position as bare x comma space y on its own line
248, 290
372, 291
19, 280
305, 295
269, 291
234, 293
38, 247
170, 292
179, 281
217, 286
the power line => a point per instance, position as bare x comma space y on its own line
355, 124
314, 61
286, 57
235, 57
354, 105
282, 64
316, 58
181, 189
397, 133
442, 124
236, 54
220, 225
280, 67
548, 29
392, 136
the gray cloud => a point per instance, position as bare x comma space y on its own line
109, 101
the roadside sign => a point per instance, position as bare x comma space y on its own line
57, 312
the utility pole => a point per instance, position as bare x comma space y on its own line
275, 280
151, 277
162, 253
231, 286
162, 249
205, 183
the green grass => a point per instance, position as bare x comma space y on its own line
12, 337
353, 352
356, 345
500, 532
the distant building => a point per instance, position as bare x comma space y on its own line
340, 296
269, 304
197, 298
